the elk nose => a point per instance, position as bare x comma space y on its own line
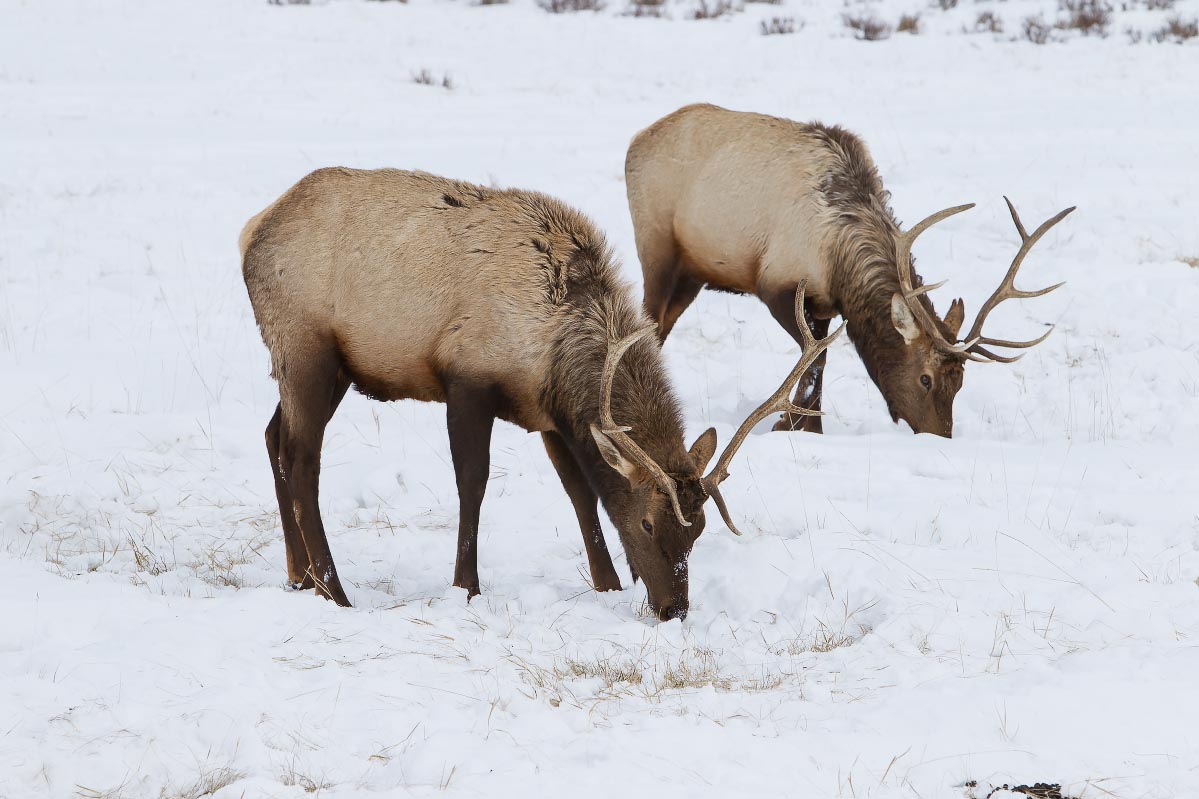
669, 612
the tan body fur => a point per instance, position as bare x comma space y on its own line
500, 303
418, 294
753, 225
755, 204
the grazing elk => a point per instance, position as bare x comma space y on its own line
754, 204
501, 304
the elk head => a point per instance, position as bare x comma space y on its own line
921, 386
652, 518
663, 515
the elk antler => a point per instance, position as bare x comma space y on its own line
903, 263
618, 433
1007, 290
778, 401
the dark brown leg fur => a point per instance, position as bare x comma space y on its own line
308, 391
686, 289
603, 573
669, 290
299, 573
659, 281
470, 416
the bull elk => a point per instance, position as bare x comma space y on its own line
501, 304
754, 204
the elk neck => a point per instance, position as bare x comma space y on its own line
860, 253
594, 310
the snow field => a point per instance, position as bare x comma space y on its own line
904, 615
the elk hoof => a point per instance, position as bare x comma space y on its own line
334, 593
609, 583
472, 588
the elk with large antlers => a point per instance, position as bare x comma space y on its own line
754, 204
501, 304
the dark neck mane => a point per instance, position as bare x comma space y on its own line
595, 308
862, 261
860, 249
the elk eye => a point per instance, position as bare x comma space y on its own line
647, 527
926, 381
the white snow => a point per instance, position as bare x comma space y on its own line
905, 614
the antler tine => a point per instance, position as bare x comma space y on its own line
932, 219
1020, 345
991, 357
903, 263
924, 290
1007, 287
1016, 219
619, 434
780, 400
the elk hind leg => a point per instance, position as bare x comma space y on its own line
659, 274
310, 390
603, 573
299, 567
686, 289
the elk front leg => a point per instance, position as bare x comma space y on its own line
470, 416
810, 388
603, 573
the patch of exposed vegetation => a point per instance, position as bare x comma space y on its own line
641, 676
1088, 17
425, 77
571, 6
1036, 29
867, 27
712, 9
988, 22
646, 8
780, 26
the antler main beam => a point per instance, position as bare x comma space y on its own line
619, 433
903, 264
780, 400
1007, 290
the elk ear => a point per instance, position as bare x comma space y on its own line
957, 314
612, 455
702, 450
903, 319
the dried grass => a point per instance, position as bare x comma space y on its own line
1036, 29
779, 26
571, 6
647, 8
988, 22
867, 27
712, 9
425, 77
1088, 17
207, 784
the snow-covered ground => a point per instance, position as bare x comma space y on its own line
905, 615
